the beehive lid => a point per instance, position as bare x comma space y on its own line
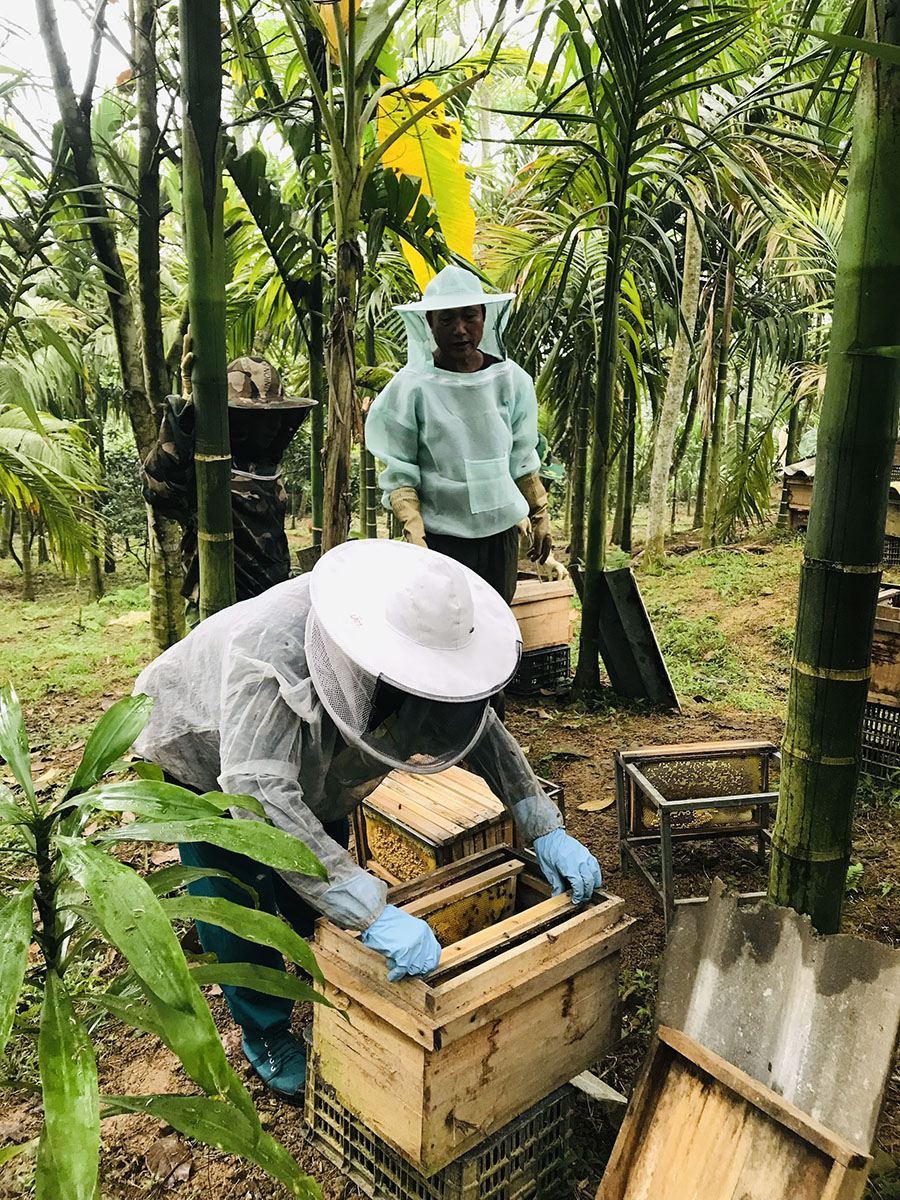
453, 802
529, 590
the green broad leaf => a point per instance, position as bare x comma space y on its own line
9, 1152
148, 770
221, 1125
11, 814
135, 1013
262, 843
14, 740
15, 938
260, 927
885, 51
169, 878
71, 1102
260, 979
149, 798
110, 738
133, 920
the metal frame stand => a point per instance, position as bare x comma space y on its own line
633, 789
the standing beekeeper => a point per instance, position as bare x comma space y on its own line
457, 431
305, 697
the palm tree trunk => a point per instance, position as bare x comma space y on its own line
26, 528
701, 484
844, 543
317, 388
717, 435
673, 399
164, 542
203, 198
751, 379
628, 464
5, 529
688, 429
587, 674
619, 515
790, 456
579, 482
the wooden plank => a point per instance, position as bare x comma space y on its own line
452, 872
381, 997
529, 590
402, 803
764, 1099
739, 800
693, 749
442, 897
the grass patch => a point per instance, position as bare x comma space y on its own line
63, 645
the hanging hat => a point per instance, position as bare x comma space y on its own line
454, 287
254, 383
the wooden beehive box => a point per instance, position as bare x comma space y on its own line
542, 609
524, 999
884, 683
415, 823
698, 1126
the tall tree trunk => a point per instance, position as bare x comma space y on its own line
94, 568
26, 527
717, 433
368, 483
342, 399
628, 449
619, 513
751, 379
5, 529
317, 387
164, 542
203, 198
673, 399
587, 674
701, 484
579, 481
42, 555
688, 429
844, 543
790, 456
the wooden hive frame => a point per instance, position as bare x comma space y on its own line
516, 1007
542, 608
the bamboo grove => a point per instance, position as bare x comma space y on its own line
663, 188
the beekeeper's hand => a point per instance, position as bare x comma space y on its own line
406, 942
536, 494
563, 858
405, 506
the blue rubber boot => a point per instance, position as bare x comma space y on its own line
279, 1060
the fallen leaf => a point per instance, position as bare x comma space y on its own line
170, 1160
567, 752
597, 805
231, 1041
543, 714
160, 857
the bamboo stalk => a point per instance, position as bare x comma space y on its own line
717, 433
844, 543
203, 199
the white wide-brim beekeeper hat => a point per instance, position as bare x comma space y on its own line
390, 613
454, 287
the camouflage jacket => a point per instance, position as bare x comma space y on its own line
258, 506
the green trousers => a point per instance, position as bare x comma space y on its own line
255, 1012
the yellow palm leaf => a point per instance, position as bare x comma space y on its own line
429, 150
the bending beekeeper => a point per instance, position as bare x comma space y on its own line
457, 431
305, 697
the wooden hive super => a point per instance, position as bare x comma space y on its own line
524, 999
542, 609
411, 824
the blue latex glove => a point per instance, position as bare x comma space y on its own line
406, 942
562, 857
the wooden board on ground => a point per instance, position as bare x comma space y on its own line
698, 1128
524, 1001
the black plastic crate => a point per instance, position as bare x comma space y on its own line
545, 668
891, 554
525, 1160
881, 740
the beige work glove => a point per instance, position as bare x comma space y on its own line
405, 506
535, 493
187, 365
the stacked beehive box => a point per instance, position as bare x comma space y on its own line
881, 724
542, 609
524, 999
